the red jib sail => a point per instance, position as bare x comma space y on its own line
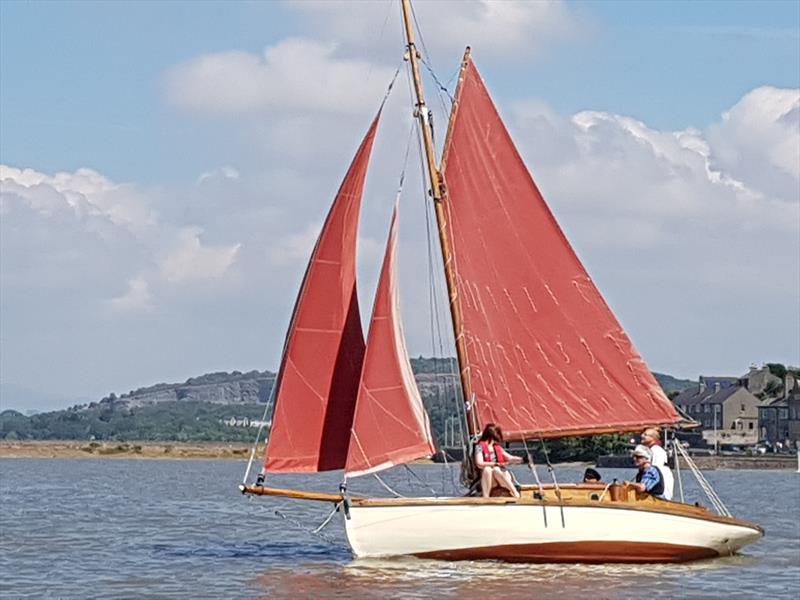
318, 377
390, 426
545, 354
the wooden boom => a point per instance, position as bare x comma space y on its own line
259, 490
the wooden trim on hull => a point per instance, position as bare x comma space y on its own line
578, 552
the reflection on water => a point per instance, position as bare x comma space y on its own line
419, 578
95, 528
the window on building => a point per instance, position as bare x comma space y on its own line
742, 407
706, 408
739, 425
750, 425
783, 413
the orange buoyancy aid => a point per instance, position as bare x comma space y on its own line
498, 453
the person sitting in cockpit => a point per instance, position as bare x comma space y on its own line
491, 460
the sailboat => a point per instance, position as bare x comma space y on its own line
539, 352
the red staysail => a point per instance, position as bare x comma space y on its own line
545, 355
390, 425
319, 373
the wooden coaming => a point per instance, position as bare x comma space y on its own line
571, 495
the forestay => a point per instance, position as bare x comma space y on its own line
545, 355
319, 373
390, 426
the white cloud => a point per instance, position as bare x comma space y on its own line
137, 298
500, 28
86, 192
226, 172
758, 141
295, 75
698, 229
189, 260
676, 227
642, 183
295, 247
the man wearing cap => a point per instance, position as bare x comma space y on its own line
648, 478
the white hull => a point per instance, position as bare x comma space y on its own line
519, 532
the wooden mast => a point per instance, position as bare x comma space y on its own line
421, 112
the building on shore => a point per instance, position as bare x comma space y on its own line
727, 411
760, 380
779, 418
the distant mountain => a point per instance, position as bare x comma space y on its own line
671, 384
200, 408
253, 387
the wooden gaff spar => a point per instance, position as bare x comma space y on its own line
539, 352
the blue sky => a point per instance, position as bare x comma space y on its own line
664, 135
82, 81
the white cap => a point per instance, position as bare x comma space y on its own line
644, 451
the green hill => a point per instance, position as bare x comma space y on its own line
201, 408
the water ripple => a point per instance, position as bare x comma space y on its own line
176, 529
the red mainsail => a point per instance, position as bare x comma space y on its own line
545, 355
390, 426
318, 377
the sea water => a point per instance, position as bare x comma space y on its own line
119, 528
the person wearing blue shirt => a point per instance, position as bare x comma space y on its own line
648, 479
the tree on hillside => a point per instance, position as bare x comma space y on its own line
777, 369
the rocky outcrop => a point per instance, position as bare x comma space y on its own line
217, 388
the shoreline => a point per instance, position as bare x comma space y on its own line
81, 449
116, 450
77, 449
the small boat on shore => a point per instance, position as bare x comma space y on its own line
539, 352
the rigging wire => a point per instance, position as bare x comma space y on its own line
434, 310
379, 37
315, 532
426, 60
555, 483
422, 481
267, 406
532, 467
705, 485
389, 89
387, 487
435, 325
675, 441
271, 401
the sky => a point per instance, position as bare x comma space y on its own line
165, 168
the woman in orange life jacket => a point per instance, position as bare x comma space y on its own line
491, 459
